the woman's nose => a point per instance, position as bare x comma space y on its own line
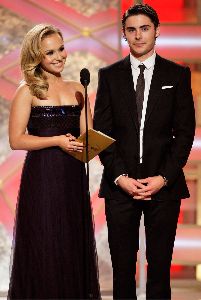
58, 55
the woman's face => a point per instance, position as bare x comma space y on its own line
54, 57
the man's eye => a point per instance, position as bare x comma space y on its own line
145, 28
131, 30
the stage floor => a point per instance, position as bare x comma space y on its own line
181, 290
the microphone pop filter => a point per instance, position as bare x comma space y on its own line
84, 77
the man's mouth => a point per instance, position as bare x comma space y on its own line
139, 44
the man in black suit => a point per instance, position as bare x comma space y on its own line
144, 102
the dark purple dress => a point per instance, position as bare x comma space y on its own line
54, 252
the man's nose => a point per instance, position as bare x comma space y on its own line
138, 34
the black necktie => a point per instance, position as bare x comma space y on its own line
140, 92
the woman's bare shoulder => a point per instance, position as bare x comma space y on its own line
23, 89
23, 93
77, 90
74, 85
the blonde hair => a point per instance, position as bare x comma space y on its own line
31, 56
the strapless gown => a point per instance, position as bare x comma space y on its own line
54, 252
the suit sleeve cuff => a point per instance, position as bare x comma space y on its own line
116, 179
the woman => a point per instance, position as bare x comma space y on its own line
54, 255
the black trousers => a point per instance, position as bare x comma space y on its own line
123, 220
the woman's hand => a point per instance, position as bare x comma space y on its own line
68, 143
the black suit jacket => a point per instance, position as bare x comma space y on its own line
168, 130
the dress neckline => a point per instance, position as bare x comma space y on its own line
50, 106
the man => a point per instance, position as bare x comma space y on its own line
144, 102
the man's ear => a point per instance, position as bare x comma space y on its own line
157, 31
124, 36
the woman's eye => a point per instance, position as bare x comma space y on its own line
61, 49
49, 53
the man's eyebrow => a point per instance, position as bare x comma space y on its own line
146, 25
132, 27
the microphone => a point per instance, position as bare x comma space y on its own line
84, 77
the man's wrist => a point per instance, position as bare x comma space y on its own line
164, 179
116, 180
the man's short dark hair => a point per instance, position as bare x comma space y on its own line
141, 9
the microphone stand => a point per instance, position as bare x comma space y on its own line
87, 139
88, 277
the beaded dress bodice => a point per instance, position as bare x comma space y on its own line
54, 120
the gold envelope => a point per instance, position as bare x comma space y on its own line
97, 142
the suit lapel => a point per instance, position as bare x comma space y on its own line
156, 84
127, 89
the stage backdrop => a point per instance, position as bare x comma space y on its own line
93, 39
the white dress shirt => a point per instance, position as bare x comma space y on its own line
148, 72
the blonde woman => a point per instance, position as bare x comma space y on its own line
54, 255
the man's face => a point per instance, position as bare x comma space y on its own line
141, 34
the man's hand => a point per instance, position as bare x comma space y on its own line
130, 185
151, 186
